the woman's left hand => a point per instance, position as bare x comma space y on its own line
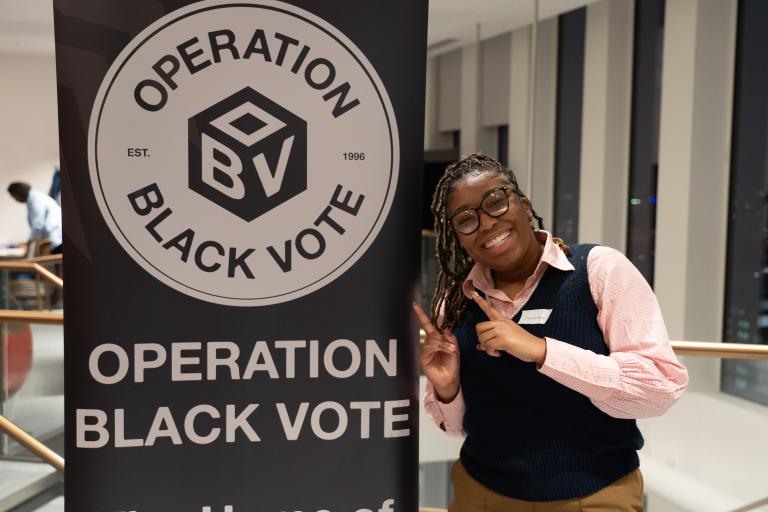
500, 334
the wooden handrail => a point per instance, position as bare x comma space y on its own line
709, 349
721, 350
752, 506
681, 348
32, 444
19, 266
31, 317
43, 272
48, 275
48, 258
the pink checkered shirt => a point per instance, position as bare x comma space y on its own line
641, 376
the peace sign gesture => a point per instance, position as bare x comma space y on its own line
439, 358
500, 334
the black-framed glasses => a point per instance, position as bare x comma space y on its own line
467, 220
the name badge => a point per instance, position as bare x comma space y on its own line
535, 316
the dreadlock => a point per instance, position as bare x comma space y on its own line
454, 262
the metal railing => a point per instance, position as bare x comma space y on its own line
708, 349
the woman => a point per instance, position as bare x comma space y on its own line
543, 355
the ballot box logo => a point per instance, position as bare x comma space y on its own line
247, 154
243, 153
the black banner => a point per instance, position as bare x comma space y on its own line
241, 222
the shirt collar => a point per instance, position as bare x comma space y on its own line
480, 276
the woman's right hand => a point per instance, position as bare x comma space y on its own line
439, 358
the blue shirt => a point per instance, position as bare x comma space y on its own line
44, 217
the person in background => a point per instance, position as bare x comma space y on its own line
542, 354
43, 214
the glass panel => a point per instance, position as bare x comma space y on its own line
33, 384
435, 489
644, 159
504, 145
32, 365
456, 139
707, 453
746, 311
570, 85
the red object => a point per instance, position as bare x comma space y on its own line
17, 357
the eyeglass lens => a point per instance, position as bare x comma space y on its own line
495, 205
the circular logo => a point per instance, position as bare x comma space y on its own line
243, 153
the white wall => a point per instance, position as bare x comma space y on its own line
29, 145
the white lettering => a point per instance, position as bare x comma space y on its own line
230, 360
240, 421
141, 363
372, 351
390, 418
163, 426
261, 351
341, 414
178, 361
122, 363
354, 365
82, 428
189, 424
365, 416
290, 347
292, 428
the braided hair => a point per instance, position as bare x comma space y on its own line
454, 262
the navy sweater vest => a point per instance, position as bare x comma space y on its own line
529, 437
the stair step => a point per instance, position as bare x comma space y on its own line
56, 505
20, 481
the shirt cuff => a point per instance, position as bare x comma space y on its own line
448, 414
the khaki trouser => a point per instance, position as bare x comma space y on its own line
625, 494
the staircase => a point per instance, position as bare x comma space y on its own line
27, 486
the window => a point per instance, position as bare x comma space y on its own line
644, 141
503, 145
746, 291
570, 85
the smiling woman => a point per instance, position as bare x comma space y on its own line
541, 354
